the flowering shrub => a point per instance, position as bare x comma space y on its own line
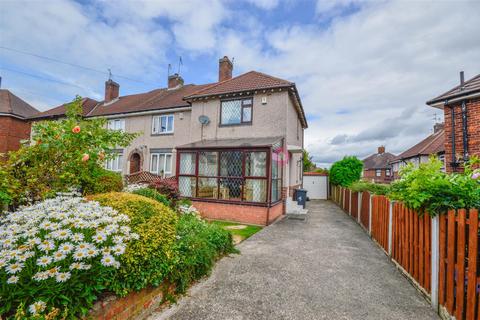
134, 186
59, 253
167, 187
153, 194
148, 260
188, 209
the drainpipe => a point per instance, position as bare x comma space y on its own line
465, 131
454, 162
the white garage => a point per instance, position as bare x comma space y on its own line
316, 185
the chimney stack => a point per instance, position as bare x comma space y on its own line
381, 149
112, 90
462, 80
175, 81
437, 127
225, 68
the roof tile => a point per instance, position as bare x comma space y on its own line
11, 104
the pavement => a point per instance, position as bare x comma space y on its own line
323, 268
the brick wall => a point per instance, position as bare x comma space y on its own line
370, 174
12, 131
473, 124
236, 212
129, 307
275, 212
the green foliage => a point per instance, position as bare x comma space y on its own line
102, 181
146, 261
199, 244
375, 188
427, 188
346, 171
308, 164
321, 170
63, 154
245, 233
153, 194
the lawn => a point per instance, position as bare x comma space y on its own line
243, 231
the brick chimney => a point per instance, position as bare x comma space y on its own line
112, 90
438, 126
175, 81
381, 149
225, 68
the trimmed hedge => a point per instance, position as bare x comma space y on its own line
153, 194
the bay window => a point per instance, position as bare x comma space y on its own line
237, 111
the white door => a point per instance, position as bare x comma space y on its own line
316, 187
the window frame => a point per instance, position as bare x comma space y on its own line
242, 107
158, 154
159, 117
115, 161
113, 121
243, 178
378, 173
388, 172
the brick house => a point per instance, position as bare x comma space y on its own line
376, 167
461, 107
14, 123
433, 145
224, 142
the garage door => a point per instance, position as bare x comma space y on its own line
316, 186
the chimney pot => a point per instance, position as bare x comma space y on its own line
225, 68
112, 90
381, 149
175, 81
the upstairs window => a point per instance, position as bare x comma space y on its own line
236, 111
116, 124
162, 124
387, 172
378, 172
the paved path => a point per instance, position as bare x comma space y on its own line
325, 268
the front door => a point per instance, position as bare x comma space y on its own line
134, 163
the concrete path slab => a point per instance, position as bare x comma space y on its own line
323, 268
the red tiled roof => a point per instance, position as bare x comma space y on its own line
13, 105
469, 87
252, 80
152, 100
433, 144
58, 112
378, 161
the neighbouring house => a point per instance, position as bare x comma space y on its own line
14, 123
234, 146
377, 168
433, 145
461, 107
59, 112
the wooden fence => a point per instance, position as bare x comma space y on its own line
441, 254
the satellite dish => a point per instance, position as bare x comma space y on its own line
203, 120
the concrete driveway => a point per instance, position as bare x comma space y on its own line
324, 268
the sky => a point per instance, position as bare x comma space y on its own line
364, 69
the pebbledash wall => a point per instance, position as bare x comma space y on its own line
12, 131
250, 214
473, 130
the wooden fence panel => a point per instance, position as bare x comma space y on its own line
354, 205
365, 209
411, 243
380, 216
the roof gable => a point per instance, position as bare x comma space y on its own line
13, 105
378, 160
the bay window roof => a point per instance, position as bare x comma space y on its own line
232, 143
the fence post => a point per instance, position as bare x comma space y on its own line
350, 202
370, 215
390, 226
435, 263
359, 206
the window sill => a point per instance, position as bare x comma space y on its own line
238, 202
162, 134
235, 124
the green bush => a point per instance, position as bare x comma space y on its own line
153, 194
346, 171
374, 188
102, 181
148, 260
427, 188
199, 244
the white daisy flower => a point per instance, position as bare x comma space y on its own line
37, 307
118, 249
108, 260
39, 276
14, 268
63, 276
65, 248
100, 237
85, 266
77, 237
44, 261
75, 266
91, 252
59, 256
12, 280
79, 255
47, 245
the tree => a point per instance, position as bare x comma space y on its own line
346, 171
62, 154
308, 164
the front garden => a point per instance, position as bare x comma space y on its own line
71, 233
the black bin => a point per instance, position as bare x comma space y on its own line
301, 197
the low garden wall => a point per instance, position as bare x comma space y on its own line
440, 255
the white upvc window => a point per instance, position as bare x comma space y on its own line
378, 172
116, 124
115, 163
162, 124
161, 164
387, 172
